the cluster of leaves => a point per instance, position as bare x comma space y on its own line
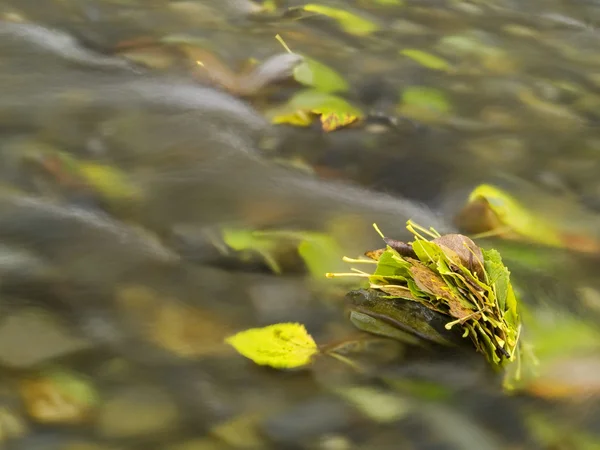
451, 275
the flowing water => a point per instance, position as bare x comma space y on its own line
121, 163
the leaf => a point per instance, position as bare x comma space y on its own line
335, 111
462, 250
498, 276
319, 252
375, 254
282, 345
109, 181
378, 405
351, 23
58, 396
313, 73
250, 240
333, 121
508, 212
424, 103
389, 2
397, 291
430, 282
296, 118
427, 60
390, 265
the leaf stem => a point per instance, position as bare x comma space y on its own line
359, 261
282, 42
345, 360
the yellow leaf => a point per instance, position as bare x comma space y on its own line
512, 214
109, 181
297, 118
282, 345
333, 121
335, 111
351, 23
427, 59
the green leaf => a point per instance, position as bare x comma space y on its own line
427, 59
249, 240
378, 405
76, 387
498, 276
313, 73
109, 181
424, 103
390, 264
282, 345
428, 252
389, 2
320, 253
351, 23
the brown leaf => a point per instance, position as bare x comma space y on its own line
398, 291
431, 283
462, 250
477, 217
405, 249
375, 254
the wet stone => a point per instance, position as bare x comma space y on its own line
137, 411
12, 425
309, 420
32, 336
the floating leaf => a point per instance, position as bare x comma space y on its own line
566, 362
427, 59
109, 181
319, 252
313, 73
332, 121
249, 240
389, 2
351, 23
58, 396
296, 118
378, 405
335, 112
424, 103
282, 346
489, 208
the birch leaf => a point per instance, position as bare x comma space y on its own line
282, 345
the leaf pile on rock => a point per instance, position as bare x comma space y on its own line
450, 274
